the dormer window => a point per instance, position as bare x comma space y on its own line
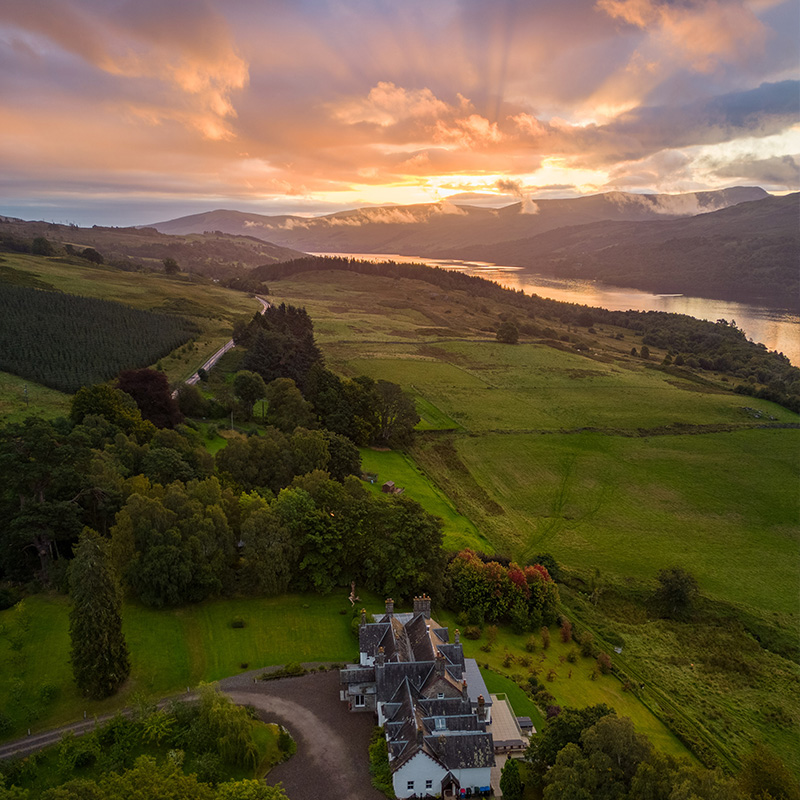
441, 695
440, 724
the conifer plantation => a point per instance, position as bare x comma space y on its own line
100, 661
64, 341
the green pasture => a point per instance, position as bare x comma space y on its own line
724, 505
14, 406
488, 386
170, 649
392, 465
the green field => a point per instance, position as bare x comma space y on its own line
720, 505
170, 650
392, 465
16, 404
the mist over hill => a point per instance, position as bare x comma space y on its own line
748, 252
735, 244
433, 229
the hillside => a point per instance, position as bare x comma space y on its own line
747, 252
433, 229
216, 254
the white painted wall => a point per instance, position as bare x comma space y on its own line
470, 778
419, 769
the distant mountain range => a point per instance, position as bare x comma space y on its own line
436, 229
739, 243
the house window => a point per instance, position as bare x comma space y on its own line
441, 695
410, 786
358, 701
429, 784
440, 724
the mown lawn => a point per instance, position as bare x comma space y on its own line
393, 465
170, 650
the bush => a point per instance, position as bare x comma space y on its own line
472, 632
552, 711
545, 638
237, 622
530, 644
572, 656
48, 692
587, 645
379, 764
566, 631
604, 663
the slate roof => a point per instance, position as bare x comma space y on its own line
419, 665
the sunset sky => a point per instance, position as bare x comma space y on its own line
131, 112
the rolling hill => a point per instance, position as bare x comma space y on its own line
216, 254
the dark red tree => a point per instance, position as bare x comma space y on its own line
152, 394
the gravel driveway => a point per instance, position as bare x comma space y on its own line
331, 759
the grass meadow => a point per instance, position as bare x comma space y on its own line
170, 650
16, 404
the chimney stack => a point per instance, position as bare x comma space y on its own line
420, 735
380, 658
458, 637
363, 616
440, 664
389, 607
481, 708
464, 692
422, 605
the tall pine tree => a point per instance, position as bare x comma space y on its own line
100, 661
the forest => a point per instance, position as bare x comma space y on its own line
65, 341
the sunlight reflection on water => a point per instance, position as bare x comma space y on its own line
778, 329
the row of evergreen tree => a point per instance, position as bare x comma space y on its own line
65, 341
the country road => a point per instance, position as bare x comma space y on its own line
221, 352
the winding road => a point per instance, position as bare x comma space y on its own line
221, 352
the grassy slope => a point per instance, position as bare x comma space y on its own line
170, 649
459, 532
40, 400
673, 470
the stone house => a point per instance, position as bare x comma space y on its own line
431, 701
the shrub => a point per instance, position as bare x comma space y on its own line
48, 692
379, 764
524, 661
472, 632
551, 675
552, 711
604, 663
475, 616
587, 644
545, 638
566, 631
508, 660
530, 644
572, 656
